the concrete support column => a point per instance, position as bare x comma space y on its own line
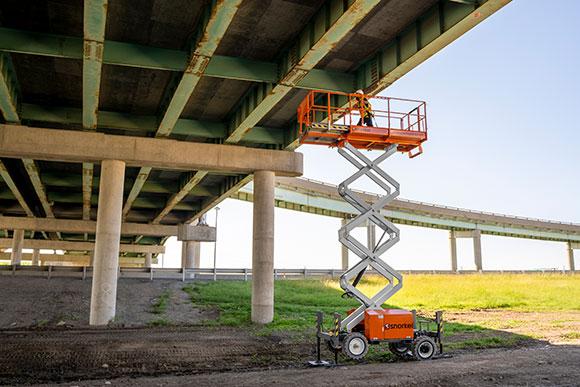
108, 235
196, 254
453, 248
183, 254
344, 250
477, 250
148, 260
263, 248
36, 257
17, 242
190, 254
571, 257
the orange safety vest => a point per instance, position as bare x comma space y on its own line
366, 110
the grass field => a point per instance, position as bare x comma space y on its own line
296, 301
522, 292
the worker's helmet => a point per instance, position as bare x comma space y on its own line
359, 91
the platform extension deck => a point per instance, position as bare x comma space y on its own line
332, 119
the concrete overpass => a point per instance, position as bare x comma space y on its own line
122, 122
310, 196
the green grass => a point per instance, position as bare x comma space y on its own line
160, 304
519, 292
297, 301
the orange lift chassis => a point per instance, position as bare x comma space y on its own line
351, 123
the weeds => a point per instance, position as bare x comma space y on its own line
160, 304
571, 335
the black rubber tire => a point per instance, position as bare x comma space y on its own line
355, 346
424, 348
401, 350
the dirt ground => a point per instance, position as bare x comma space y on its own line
45, 338
209, 356
562, 327
544, 366
72, 354
39, 302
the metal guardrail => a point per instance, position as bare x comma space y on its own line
209, 274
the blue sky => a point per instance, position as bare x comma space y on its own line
504, 137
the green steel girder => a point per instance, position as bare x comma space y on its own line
436, 28
136, 189
430, 33
226, 188
328, 27
34, 174
148, 124
15, 191
122, 121
190, 182
6, 194
9, 90
215, 21
141, 202
55, 179
134, 55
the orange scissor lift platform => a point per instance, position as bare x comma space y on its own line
352, 123
332, 118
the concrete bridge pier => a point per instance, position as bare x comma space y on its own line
190, 251
196, 254
17, 242
476, 235
263, 248
477, 250
108, 236
453, 249
148, 260
571, 247
36, 257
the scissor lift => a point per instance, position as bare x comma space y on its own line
334, 119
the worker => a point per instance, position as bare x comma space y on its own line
366, 110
